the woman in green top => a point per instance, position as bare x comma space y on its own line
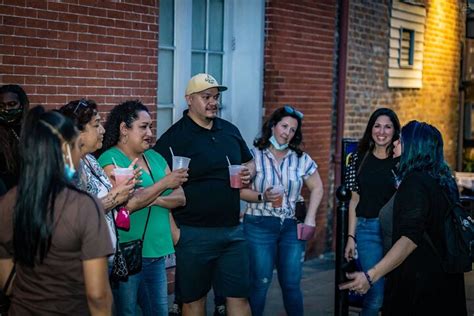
128, 136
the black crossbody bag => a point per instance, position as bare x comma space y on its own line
132, 250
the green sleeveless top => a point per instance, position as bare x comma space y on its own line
158, 241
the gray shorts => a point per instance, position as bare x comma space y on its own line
212, 256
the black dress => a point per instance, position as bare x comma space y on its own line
419, 286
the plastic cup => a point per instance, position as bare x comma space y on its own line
278, 189
122, 175
235, 179
180, 162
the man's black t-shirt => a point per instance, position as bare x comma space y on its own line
210, 201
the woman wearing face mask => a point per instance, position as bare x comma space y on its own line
13, 106
270, 227
55, 234
92, 177
370, 177
128, 137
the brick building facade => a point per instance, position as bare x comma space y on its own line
299, 50
368, 50
65, 50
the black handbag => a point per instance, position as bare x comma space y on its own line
119, 266
300, 211
132, 250
4, 299
130, 253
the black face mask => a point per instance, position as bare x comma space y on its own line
11, 117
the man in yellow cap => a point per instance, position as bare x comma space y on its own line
211, 250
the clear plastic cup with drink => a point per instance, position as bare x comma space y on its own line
180, 162
280, 190
235, 179
122, 175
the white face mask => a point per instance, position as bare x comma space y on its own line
277, 146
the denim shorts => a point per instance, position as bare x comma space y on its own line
212, 256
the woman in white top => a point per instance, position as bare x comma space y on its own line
271, 228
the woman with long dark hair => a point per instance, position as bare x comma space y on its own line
128, 137
270, 226
14, 104
371, 178
55, 234
418, 284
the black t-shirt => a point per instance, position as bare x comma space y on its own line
375, 184
210, 201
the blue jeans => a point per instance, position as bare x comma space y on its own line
370, 250
274, 243
148, 289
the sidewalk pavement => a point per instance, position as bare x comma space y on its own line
318, 289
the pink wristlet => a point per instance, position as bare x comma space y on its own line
122, 219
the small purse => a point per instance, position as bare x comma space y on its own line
132, 250
119, 266
300, 211
4, 299
123, 219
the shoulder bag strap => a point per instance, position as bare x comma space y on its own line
362, 161
149, 208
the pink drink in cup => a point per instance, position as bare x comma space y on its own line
122, 175
279, 189
234, 173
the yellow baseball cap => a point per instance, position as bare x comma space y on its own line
201, 82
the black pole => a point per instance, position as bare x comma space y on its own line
341, 307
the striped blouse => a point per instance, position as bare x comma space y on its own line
290, 173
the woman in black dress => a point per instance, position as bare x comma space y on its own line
418, 285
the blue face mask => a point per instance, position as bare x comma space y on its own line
277, 146
69, 170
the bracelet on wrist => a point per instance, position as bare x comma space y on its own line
352, 236
367, 276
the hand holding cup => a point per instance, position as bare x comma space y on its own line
176, 178
245, 176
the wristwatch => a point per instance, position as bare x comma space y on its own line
260, 197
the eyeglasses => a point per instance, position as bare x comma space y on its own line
290, 110
82, 103
8, 105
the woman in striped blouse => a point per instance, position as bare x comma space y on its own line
269, 223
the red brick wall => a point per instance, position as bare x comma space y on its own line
64, 50
299, 53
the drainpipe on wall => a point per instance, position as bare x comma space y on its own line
341, 84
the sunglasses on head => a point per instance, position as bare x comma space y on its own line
290, 110
82, 103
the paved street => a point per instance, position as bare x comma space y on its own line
318, 290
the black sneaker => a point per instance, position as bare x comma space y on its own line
174, 310
220, 310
